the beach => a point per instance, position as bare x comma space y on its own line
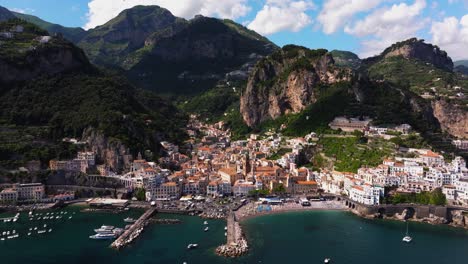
255, 209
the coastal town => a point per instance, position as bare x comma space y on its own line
220, 178
217, 167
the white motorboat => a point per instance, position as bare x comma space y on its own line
205, 223
327, 260
129, 220
102, 236
192, 246
206, 229
407, 237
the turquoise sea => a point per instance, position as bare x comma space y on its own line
305, 237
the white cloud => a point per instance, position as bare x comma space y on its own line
336, 13
101, 11
451, 35
387, 25
282, 15
23, 11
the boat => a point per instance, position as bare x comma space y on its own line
206, 229
2, 239
35, 228
225, 233
407, 237
104, 228
41, 231
70, 217
29, 233
327, 260
129, 220
50, 230
205, 223
192, 246
103, 236
225, 228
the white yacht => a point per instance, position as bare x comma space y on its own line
104, 228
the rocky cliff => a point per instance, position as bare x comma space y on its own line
452, 119
416, 49
287, 82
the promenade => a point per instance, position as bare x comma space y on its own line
255, 209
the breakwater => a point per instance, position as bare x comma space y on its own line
236, 243
134, 231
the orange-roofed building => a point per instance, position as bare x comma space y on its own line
305, 187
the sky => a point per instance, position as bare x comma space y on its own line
365, 27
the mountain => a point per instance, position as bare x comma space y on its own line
5, 14
28, 52
346, 59
461, 62
418, 50
161, 52
49, 91
74, 34
301, 90
287, 82
461, 67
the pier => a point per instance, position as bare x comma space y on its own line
134, 231
236, 245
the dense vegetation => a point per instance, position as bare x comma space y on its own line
435, 197
72, 34
351, 153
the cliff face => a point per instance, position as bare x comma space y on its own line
452, 119
112, 153
287, 82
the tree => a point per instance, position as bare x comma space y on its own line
279, 189
140, 194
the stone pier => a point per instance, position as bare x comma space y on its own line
236, 244
134, 231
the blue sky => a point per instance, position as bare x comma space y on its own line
365, 27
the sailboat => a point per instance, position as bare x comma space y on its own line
407, 238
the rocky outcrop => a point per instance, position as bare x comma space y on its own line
287, 82
452, 119
416, 49
109, 152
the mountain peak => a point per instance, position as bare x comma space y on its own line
417, 49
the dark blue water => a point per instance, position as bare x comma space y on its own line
306, 237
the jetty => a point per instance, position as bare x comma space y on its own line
134, 231
236, 244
